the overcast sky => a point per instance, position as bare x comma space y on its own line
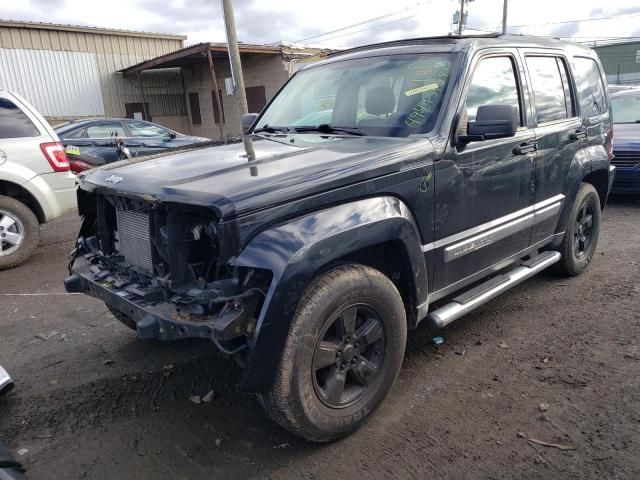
267, 21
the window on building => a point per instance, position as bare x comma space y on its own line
256, 98
14, 123
493, 83
106, 130
194, 106
590, 86
549, 92
216, 112
136, 110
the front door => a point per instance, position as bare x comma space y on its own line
483, 189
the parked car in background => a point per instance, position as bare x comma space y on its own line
626, 140
392, 184
93, 142
36, 184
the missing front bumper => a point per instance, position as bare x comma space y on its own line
158, 319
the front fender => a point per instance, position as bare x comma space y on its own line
294, 252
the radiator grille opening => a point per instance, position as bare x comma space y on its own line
134, 241
626, 159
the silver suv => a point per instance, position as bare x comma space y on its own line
36, 185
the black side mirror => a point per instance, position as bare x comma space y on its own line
248, 119
493, 121
172, 135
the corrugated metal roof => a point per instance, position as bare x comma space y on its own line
84, 29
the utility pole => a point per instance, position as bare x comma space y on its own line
236, 69
504, 17
461, 17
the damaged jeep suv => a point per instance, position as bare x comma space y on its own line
386, 185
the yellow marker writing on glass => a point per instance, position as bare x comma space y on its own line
424, 88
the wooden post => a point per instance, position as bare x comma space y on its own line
236, 70
144, 100
214, 82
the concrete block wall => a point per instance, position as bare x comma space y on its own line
268, 70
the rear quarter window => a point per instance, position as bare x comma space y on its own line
590, 86
14, 123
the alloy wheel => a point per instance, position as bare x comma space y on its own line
349, 356
11, 233
583, 233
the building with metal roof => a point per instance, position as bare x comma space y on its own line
621, 61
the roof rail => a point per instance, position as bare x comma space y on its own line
417, 40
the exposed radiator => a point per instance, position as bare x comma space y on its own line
133, 238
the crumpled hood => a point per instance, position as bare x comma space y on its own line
222, 178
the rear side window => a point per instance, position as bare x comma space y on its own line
493, 83
14, 123
106, 130
590, 86
551, 92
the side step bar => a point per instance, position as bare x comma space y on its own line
471, 299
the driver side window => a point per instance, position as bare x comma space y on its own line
493, 83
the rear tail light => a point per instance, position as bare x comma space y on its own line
54, 153
77, 165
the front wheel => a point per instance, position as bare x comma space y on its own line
343, 353
581, 238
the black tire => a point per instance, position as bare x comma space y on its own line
23, 223
581, 238
122, 317
302, 399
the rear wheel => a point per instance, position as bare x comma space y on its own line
343, 353
581, 238
19, 232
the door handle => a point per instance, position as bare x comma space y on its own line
525, 147
578, 134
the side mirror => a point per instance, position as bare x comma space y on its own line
172, 135
493, 121
248, 119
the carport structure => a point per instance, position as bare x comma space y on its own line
204, 68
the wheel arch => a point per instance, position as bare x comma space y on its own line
13, 190
361, 231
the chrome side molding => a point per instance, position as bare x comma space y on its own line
471, 299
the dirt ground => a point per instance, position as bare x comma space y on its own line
553, 360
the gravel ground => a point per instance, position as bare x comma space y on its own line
553, 360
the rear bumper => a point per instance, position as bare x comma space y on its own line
154, 316
55, 193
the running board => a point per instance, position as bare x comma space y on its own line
471, 299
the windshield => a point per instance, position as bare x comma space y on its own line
392, 96
626, 108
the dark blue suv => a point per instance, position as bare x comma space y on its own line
625, 106
383, 186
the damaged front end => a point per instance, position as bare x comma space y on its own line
164, 269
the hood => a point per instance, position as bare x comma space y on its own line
626, 136
285, 168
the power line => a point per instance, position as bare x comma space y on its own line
574, 21
364, 22
365, 29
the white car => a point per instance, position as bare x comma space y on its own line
36, 184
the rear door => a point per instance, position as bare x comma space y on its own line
483, 189
559, 134
21, 134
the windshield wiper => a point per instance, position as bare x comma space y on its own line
327, 128
269, 129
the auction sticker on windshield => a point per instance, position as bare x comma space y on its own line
72, 150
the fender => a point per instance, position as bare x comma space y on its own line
585, 162
294, 252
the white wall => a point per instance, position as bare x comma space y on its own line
58, 84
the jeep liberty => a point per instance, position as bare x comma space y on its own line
392, 184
